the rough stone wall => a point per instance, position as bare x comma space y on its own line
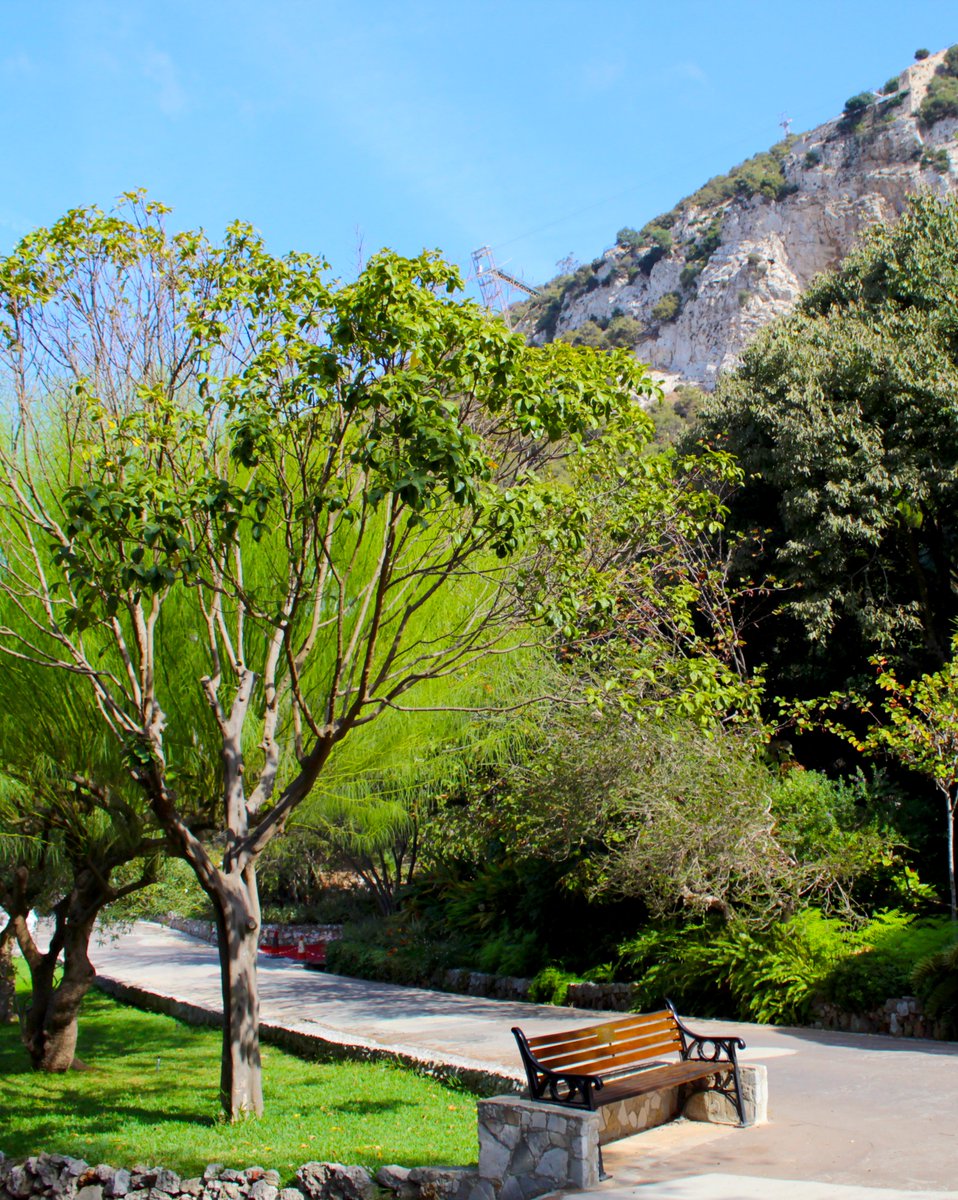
527, 1148
609, 997
901, 1016
845, 179
270, 934
59, 1177
638, 1113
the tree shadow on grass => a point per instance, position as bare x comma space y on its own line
369, 1107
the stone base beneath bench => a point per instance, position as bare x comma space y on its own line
713, 1106
527, 1147
625, 1117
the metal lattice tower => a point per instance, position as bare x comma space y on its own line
494, 283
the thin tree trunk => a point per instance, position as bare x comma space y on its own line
8, 982
236, 903
950, 841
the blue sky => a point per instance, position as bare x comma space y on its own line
538, 128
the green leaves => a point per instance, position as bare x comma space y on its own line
843, 417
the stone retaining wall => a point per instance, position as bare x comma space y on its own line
901, 1016
271, 933
610, 997
59, 1177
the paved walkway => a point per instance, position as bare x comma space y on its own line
852, 1117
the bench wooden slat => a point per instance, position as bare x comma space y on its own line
650, 1022
667, 1075
635, 1050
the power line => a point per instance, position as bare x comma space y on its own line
623, 192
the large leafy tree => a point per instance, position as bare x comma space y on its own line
218, 461
844, 418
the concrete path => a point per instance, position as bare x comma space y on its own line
851, 1116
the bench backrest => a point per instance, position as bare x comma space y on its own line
599, 1049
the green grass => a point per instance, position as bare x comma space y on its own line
150, 1096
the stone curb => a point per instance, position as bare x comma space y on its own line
330, 1044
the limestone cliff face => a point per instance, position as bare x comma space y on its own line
839, 178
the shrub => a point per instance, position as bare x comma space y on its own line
935, 980
674, 413
881, 959
775, 975
589, 333
812, 159
510, 953
744, 297
624, 331
940, 101
703, 249
891, 86
771, 976
857, 103
551, 986
690, 272
627, 236
668, 308
936, 158
921, 54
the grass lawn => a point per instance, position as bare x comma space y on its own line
150, 1096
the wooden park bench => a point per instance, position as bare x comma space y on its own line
597, 1065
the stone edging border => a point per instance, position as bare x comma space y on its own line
328, 1044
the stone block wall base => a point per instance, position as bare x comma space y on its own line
636, 1113
713, 1106
527, 1148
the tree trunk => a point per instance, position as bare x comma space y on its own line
51, 1022
236, 902
950, 838
8, 982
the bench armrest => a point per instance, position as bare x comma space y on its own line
697, 1047
707, 1047
560, 1086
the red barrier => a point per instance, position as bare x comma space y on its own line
314, 952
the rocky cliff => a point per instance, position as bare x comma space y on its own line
689, 290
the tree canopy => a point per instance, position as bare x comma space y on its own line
236, 499
844, 419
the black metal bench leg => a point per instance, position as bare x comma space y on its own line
602, 1172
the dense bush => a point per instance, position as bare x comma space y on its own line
941, 99
891, 86
812, 158
690, 272
398, 949
589, 333
627, 236
668, 308
937, 157
624, 331
858, 103
935, 980
921, 54
776, 975
707, 243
